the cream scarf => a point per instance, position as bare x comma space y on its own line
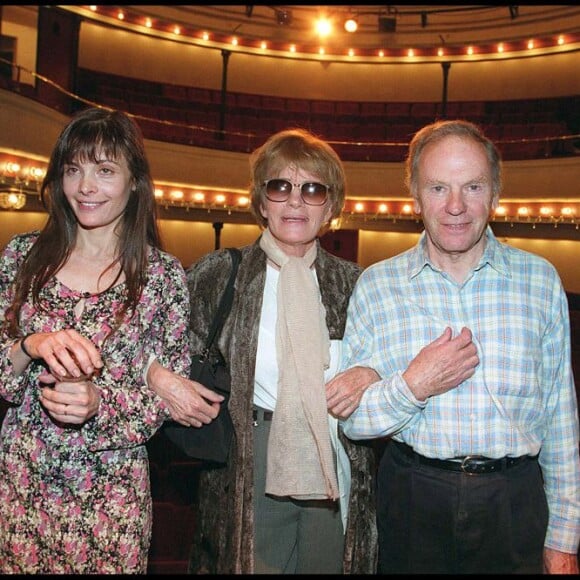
300, 457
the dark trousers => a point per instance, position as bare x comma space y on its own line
433, 521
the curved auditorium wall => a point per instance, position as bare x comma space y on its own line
107, 49
28, 126
139, 56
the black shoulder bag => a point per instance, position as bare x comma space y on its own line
210, 442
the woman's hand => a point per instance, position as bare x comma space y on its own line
345, 390
189, 402
68, 354
71, 402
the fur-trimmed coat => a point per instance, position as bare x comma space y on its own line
224, 535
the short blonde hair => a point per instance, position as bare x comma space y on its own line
303, 150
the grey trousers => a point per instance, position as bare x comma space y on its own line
292, 537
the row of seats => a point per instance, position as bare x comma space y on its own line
362, 141
173, 527
125, 89
360, 131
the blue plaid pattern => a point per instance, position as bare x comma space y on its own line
521, 399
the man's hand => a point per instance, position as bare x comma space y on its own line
560, 562
442, 365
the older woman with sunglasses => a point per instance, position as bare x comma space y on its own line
296, 496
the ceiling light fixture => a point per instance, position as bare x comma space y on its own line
351, 24
323, 27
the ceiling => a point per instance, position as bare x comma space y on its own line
392, 31
419, 25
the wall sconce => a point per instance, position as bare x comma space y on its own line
12, 200
351, 24
335, 224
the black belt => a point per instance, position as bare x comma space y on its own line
472, 464
262, 415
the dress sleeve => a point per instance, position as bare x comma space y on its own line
12, 387
130, 413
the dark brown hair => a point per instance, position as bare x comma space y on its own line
92, 133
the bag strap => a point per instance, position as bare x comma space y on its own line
226, 300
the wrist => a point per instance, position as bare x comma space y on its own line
24, 348
416, 390
149, 374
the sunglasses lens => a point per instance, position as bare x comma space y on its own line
314, 193
278, 189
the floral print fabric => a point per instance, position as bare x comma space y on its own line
76, 499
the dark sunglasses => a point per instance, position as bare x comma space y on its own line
311, 192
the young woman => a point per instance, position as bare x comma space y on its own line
83, 304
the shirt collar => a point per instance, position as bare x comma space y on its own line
495, 255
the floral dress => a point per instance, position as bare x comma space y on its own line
77, 499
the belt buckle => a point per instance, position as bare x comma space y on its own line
465, 467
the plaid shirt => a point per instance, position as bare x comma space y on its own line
521, 399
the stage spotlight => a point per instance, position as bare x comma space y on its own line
423, 19
514, 12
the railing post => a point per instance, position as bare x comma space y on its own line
217, 226
445, 66
223, 105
